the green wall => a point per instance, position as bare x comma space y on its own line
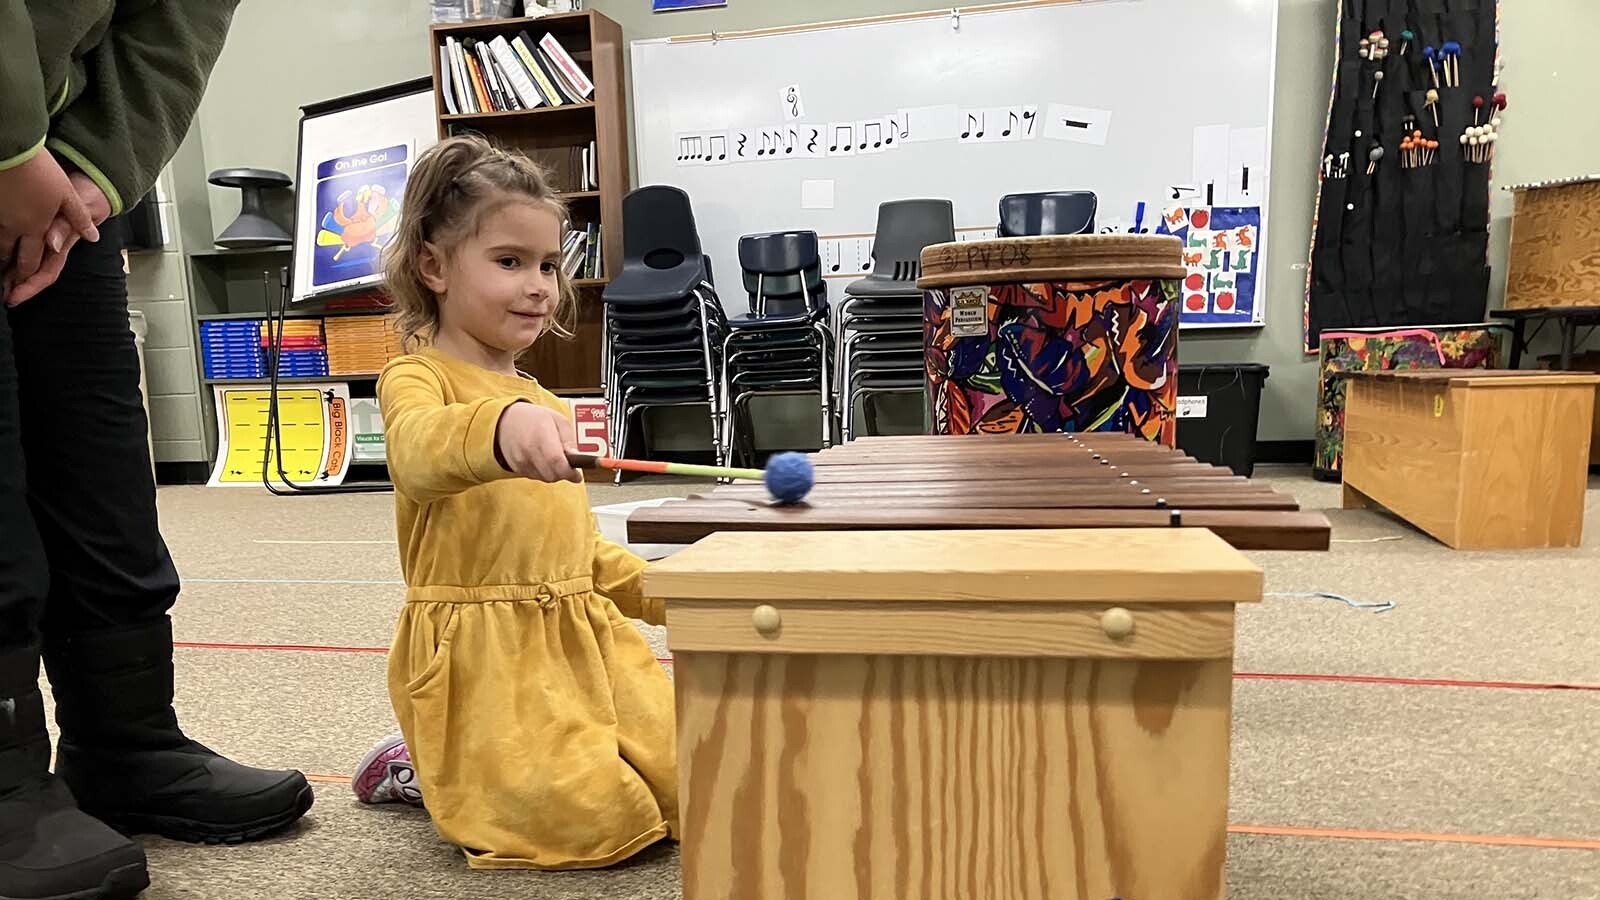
250, 111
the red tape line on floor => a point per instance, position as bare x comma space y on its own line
1243, 676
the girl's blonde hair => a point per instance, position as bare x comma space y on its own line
451, 187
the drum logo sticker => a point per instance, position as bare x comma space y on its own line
969, 312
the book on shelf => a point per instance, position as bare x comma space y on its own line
567, 65
509, 74
510, 66
466, 97
447, 87
480, 88
574, 252
526, 53
591, 263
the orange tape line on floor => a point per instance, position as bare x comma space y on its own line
1242, 676
1348, 834
1355, 834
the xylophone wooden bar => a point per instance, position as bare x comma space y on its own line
693, 520
1083, 500
1021, 481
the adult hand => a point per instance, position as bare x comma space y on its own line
533, 441
32, 195
60, 237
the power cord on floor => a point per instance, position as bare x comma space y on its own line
1374, 605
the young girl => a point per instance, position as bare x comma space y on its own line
538, 721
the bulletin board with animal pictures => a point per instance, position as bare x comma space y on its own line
1402, 214
355, 154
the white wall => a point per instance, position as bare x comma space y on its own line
1552, 73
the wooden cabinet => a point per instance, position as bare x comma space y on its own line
1478, 459
976, 714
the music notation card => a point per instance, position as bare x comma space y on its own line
845, 256
1076, 123
796, 139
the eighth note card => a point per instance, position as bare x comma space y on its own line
841, 138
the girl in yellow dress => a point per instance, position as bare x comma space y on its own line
538, 723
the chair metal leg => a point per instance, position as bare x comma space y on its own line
824, 387
732, 434
711, 378
622, 433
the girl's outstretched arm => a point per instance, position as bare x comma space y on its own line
436, 449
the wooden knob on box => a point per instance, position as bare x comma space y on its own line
766, 619
1117, 623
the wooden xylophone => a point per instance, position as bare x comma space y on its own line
1098, 480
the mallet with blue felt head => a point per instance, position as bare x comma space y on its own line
788, 476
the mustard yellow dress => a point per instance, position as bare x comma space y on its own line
539, 721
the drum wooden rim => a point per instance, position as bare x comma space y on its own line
1051, 258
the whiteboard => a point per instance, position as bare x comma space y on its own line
1162, 102
353, 161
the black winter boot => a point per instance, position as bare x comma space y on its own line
123, 754
48, 848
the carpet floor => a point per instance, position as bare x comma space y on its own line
1439, 749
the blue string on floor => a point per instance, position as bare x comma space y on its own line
1374, 605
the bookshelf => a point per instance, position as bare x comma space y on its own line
544, 132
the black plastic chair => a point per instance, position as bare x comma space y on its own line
782, 346
884, 309
660, 306
1050, 212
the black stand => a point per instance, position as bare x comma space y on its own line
273, 451
1567, 318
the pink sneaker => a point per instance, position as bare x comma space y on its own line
386, 775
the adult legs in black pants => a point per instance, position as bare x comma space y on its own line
86, 577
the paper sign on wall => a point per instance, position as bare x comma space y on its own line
313, 421
1222, 262
794, 108
1081, 124
589, 421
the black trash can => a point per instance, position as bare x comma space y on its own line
1219, 405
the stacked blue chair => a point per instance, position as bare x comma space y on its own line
879, 325
783, 345
663, 323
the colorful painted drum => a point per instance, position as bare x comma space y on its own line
1054, 333
1475, 346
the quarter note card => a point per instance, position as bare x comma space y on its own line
1081, 124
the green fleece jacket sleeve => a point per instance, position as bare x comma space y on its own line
23, 108
145, 81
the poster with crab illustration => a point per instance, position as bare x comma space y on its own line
357, 208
